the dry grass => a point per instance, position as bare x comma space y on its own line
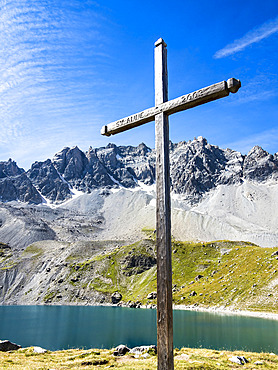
185, 358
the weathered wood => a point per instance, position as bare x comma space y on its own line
202, 96
165, 359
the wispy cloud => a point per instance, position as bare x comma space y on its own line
50, 54
259, 88
267, 139
255, 35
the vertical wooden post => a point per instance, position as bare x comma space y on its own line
163, 216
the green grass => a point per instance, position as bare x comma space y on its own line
234, 274
114, 275
5, 252
49, 296
237, 275
185, 358
34, 250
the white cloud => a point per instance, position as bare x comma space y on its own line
255, 35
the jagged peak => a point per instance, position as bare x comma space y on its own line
65, 149
257, 150
111, 146
40, 163
75, 149
10, 168
9, 161
200, 139
143, 146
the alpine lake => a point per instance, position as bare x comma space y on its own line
63, 327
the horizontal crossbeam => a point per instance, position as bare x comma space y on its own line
202, 96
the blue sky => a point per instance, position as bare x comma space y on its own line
69, 67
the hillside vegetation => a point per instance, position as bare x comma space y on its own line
221, 273
236, 275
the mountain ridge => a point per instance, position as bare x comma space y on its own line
196, 168
63, 215
108, 193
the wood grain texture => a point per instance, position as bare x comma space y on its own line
165, 358
184, 102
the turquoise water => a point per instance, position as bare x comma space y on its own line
62, 327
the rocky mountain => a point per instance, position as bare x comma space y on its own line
196, 168
61, 220
108, 193
16, 185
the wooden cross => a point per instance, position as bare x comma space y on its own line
160, 112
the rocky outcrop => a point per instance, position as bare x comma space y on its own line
116, 297
139, 259
6, 345
49, 182
15, 185
260, 165
121, 350
240, 360
152, 295
136, 264
196, 168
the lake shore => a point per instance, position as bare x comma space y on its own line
217, 310
228, 311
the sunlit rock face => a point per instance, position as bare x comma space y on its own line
15, 184
260, 165
48, 181
197, 167
108, 193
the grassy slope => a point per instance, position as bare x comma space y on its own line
94, 359
235, 274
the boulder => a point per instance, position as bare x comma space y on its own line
121, 350
198, 277
152, 295
137, 263
240, 360
116, 297
6, 345
132, 304
193, 293
142, 349
37, 349
146, 355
